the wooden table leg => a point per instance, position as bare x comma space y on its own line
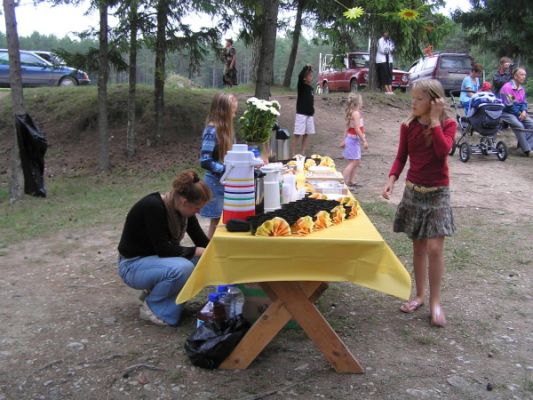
266, 327
294, 299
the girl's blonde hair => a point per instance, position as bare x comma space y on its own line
355, 101
434, 90
220, 116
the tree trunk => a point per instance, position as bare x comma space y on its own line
295, 41
130, 139
372, 70
255, 58
268, 48
103, 75
159, 76
16, 190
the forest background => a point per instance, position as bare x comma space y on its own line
209, 73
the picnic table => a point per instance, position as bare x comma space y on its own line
293, 272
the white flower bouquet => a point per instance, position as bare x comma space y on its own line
258, 119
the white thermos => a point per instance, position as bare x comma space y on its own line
272, 186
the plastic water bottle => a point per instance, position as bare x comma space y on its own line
213, 311
223, 297
236, 298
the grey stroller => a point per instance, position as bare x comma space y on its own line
483, 118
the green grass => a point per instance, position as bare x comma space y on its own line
76, 203
425, 340
73, 111
379, 209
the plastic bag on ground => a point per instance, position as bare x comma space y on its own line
210, 343
32, 147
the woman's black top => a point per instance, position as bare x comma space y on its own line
146, 231
305, 100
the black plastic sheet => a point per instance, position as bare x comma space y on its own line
211, 343
32, 146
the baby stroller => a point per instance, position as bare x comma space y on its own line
483, 118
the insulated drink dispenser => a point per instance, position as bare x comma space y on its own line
238, 181
272, 185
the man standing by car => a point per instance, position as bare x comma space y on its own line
384, 62
230, 59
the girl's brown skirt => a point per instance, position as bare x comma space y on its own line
424, 215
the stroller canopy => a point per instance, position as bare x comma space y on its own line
485, 113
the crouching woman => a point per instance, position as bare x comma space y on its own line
151, 257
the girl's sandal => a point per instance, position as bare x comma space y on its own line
437, 318
411, 306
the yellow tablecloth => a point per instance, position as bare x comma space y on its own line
352, 251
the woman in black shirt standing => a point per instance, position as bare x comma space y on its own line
151, 257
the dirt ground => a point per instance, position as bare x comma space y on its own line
70, 327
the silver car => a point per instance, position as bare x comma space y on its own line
36, 71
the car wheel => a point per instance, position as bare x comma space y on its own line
68, 81
502, 151
354, 87
325, 88
464, 152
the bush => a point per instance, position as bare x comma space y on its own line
178, 82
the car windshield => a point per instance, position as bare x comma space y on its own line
358, 60
51, 58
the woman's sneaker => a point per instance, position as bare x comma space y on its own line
146, 314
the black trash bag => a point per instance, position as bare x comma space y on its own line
32, 148
211, 343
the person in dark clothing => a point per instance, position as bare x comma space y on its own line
151, 257
229, 54
304, 123
502, 75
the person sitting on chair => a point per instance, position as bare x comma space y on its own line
470, 86
502, 75
513, 96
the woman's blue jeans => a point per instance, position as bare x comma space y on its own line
163, 277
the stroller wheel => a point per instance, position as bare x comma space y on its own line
452, 149
502, 151
464, 152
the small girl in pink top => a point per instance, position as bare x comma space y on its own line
424, 213
355, 134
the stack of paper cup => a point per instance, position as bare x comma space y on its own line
288, 190
272, 198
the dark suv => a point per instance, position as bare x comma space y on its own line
448, 68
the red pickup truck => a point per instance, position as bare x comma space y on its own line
349, 73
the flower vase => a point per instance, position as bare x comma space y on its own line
260, 150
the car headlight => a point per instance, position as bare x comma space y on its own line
365, 76
405, 78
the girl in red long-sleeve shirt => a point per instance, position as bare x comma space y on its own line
424, 213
